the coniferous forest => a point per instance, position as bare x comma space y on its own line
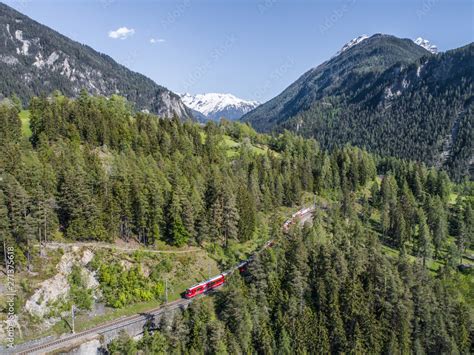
383, 267
420, 108
301, 192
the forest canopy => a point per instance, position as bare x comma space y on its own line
377, 270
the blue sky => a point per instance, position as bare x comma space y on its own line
253, 49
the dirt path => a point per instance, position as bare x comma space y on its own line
95, 245
301, 216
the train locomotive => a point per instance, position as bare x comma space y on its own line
205, 286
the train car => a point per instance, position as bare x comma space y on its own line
287, 224
269, 244
243, 266
219, 280
204, 286
304, 211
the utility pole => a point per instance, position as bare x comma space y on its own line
72, 316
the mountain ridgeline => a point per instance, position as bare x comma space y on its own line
213, 106
35, 59
388, 95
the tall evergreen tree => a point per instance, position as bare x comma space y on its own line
424, 237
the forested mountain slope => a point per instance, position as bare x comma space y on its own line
93, 169
411, 103
35, 59
336, 286
347, 72
323, 290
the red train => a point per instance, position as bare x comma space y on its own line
204, 286
219, 280
216, 281
292, 220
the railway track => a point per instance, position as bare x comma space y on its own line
100, 329
89, 334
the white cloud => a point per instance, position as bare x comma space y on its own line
157, 40
121, 33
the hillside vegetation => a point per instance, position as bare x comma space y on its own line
326, 289
387, 231
389, 96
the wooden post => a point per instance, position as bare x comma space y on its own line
73, 316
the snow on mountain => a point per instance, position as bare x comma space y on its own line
352, 43
426, 45
214, 106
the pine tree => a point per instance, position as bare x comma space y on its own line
468, 226
216, 217
10, 124
322, 345
247, 213
424, 237
177, 233
230, 221
284, 343
438, 223
122, 345
398, 227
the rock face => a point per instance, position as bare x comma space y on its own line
35, 59
89, 348
56, 288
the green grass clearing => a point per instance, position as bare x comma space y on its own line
25, 123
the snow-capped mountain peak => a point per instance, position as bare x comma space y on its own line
215, 105
352, 43
426, 45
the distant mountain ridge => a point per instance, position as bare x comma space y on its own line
346, 72
389, 95
352, 43
214, 106
35, 59
426, 45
